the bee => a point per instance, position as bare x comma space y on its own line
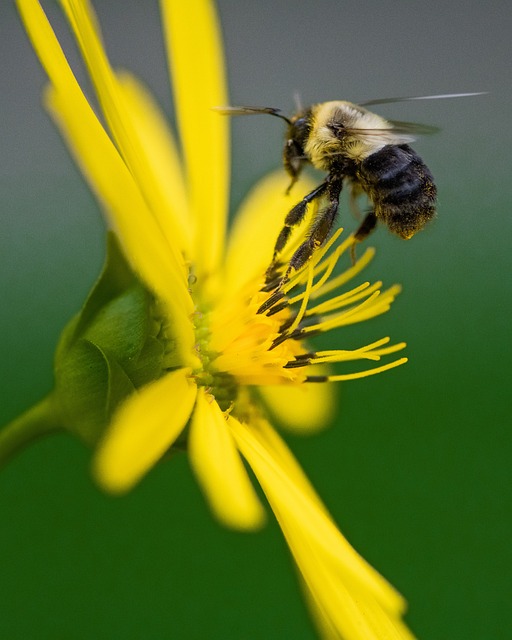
360, 149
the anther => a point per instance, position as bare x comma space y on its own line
316, 379
271, 301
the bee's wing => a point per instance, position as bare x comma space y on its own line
406, 131
408, 98
413, 128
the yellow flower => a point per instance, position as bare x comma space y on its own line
236, 352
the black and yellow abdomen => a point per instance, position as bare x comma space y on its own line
400, 187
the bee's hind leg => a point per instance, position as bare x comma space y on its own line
365, 228
353, 201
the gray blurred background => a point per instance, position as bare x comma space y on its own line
416, 468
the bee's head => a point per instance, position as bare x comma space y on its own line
298, 130
294, 156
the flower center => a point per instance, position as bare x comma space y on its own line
221, 384
257, 335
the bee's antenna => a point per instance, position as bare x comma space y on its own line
251, 111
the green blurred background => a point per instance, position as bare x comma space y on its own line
416, 468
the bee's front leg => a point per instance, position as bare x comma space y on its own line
320, 229
294, 217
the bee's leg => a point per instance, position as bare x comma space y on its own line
320, 229
293, 218
355, 192
365, 228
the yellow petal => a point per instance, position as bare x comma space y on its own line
139, 235
144, 244
342, 584
163, 161
257, 225
307, 407
341, 610
46, 45
219, 469
122, 116
196, 62
143, 429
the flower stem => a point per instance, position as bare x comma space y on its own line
37, 421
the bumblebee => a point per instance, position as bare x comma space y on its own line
362, 150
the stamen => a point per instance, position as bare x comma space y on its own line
347, 275
277, 308
305, 301
294, 335
327, 265
376, 304
383, 304
301, 360
364, 374
345, 299
290, 281
368, 347
273, 278
369, 352
391, 349
317, 379
271, 301
341, 319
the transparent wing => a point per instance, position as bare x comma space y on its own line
399, 127
441, 96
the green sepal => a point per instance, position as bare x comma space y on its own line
122, 326
89, 387
115, 277
112, 347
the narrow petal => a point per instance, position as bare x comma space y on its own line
140, 236
122, 116
356, 600
143, 429
143, 242
164, 163
257, 225
307, 407
196, 64
219, 469
341, 611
